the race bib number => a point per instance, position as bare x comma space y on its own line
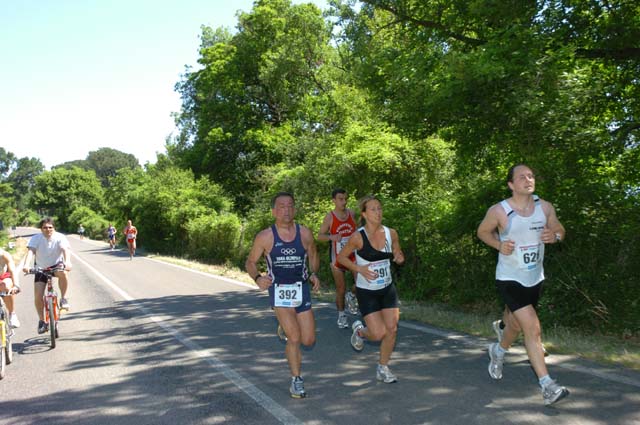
528, 256
341, 244
287, 295
383, 269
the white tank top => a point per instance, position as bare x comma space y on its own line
524, 265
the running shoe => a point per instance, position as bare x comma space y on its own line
13, 320
499, 331
297, 387
384, 374
552, 392
281, 334
496, 363
356, 340
343, 323
64, 304
42, 327
351, 302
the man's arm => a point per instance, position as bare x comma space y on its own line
324, 233
27, 260
488, 232
554, 230
251, 264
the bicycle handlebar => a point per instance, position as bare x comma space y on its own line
48, 270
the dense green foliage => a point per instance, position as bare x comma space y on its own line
423, 102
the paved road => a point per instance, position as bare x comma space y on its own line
151, 343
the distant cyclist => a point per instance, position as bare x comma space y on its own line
111, 231
50, 249
9, 285
131, 233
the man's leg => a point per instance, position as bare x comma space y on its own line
528, 320
63, 283
38, 293
338, 278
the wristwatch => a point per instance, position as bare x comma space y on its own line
558, 237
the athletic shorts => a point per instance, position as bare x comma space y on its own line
306, 298
333, 259
42, 278
371, 301
112, 237
516, 296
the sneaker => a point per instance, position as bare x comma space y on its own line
351, 302
64, 304
553, 392
13, 320
42, 327
281, 334
495, 365
297, 387
384, 374
343, 323
496, 328
356, 340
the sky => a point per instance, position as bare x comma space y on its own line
79, 75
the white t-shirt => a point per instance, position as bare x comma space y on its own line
48, 252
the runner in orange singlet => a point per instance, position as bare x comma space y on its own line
337, 227
131, 234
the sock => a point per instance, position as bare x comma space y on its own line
341, 313
544, 381
501, 351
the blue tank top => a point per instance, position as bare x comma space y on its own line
287, 261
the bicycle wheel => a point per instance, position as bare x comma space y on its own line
3, 352
53, 324
9, 343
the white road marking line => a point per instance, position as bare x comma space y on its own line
278, 412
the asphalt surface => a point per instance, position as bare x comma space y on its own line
151, 343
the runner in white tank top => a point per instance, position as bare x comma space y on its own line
518, 228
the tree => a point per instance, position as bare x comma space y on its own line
60, 192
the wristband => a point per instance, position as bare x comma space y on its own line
255, 279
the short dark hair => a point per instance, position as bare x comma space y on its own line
512, 169
337, 190
281, 195
46, 220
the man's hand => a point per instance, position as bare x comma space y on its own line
263, 282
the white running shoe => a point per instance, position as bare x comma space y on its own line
384, 374
356, 340
343, 323
13, 320
496, 363
552, 392
351, 303
297, 387
281, 334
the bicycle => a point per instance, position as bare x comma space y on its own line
50, 298
6, 334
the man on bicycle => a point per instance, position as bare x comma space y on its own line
51, 249
9, 285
